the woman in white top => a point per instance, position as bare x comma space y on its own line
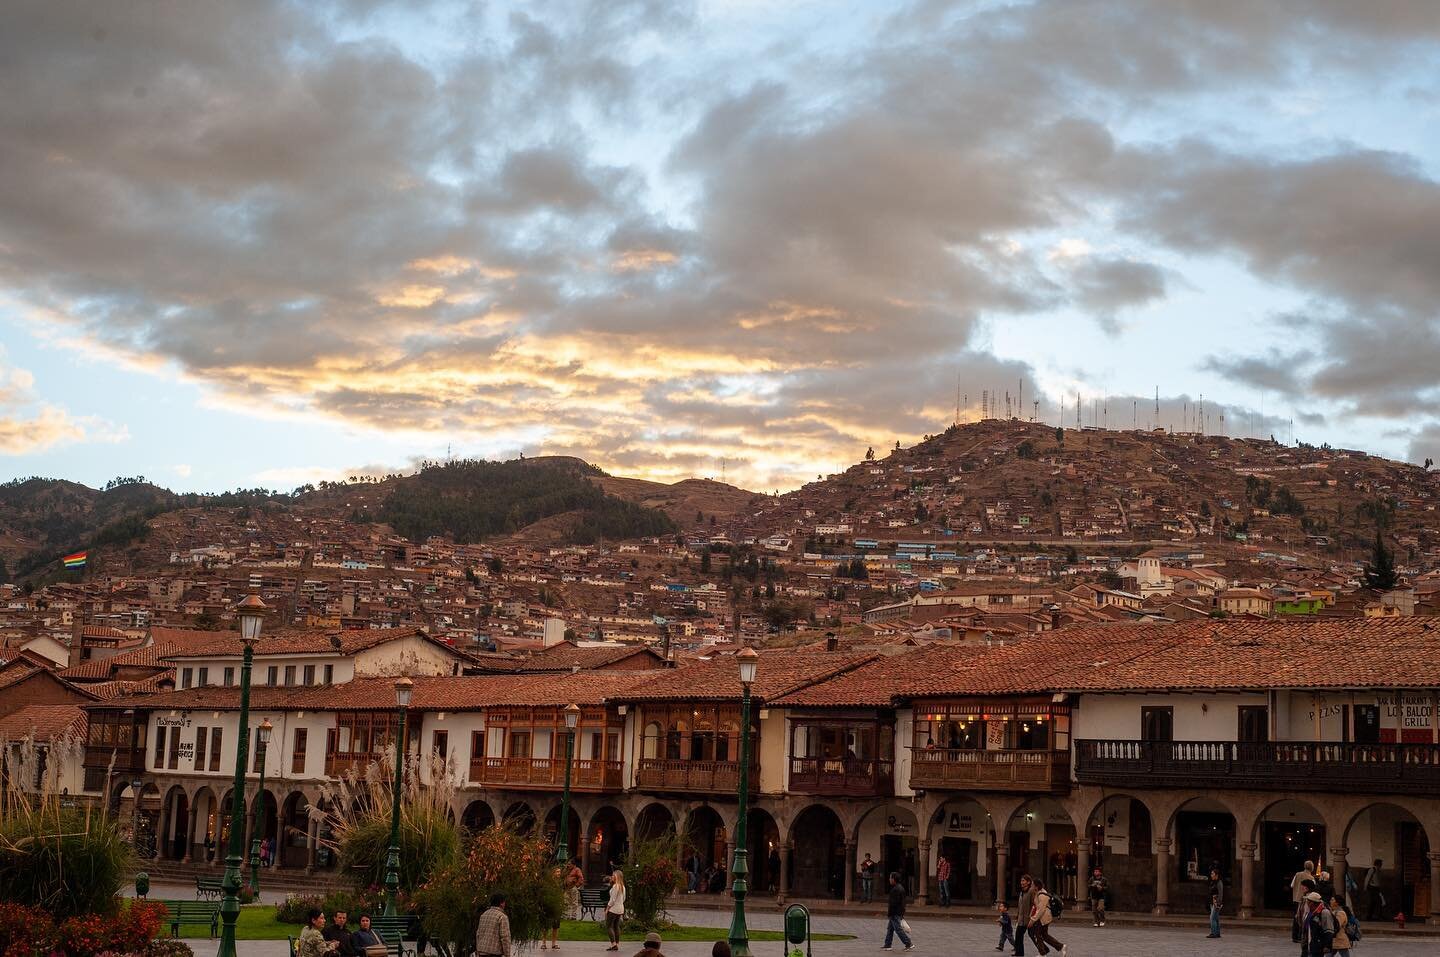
615, 910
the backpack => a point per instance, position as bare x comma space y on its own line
1057, 906
1352, 926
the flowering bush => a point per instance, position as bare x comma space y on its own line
25, 931
497, 861
292, 910
651, 875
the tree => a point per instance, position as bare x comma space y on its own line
705, 562
1380, 570
496, 565
870, 456
1072, 557
897, 445
699, 516
1060, 435
1026, 449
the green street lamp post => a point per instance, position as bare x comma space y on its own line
572, 720
403, 688
262, 742
252, 611
739, 935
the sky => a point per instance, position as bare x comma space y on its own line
268, 243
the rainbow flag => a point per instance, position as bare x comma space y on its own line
75, 561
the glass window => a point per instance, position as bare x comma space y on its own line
228, 677
440, 744
309, 674
289, 675
203, 677
519, 744
272, 675
186, 674
675, 740
160, 747
297, 754
202, 739
651, 742
329, 674
1032, 733
215, 749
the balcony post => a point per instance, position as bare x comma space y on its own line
1002, 864
849, 871
1162, 876
922, 894
1247, 880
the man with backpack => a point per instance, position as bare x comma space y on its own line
1046, 908
1319, 927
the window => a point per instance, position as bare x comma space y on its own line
650, 744
94, 779
477, 747
186, 674
289, 675
229, 677
215, 749
519, 744
1367, 724
329, 674
441, 744
160, 746
1254, 721
297, 754
309, 674
272, 675
174, 749
1157, 724
203, 676
202, 738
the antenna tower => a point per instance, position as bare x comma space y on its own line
1155, 424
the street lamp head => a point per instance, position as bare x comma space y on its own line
403, 689
264, 731
572, 715
749, 660
252, 613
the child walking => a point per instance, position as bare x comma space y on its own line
1007, 929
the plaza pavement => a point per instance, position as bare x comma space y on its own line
958, 937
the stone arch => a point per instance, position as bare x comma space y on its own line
1119, 836
654, 820
891, 832
477, 815
520, 816
959, 828
1202, 831
763, 842
205, 834
294, 841
705, 838
1394, 831
607, 840
170, 840
147, 841
1286, 832
1042, 839
269, 829
550, 827
817, 856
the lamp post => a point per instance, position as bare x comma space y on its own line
262, 741
739, 936
572, 720
403, 688
252, 611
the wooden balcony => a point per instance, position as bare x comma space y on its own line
941, 769
842, 777
586, 774
1274, 765
126, 759
337, 765
706, 777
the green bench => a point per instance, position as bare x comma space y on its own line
593, 900
200, 913
209, 888
394, 932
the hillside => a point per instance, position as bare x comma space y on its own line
1012, 481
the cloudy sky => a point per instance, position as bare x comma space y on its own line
267, 243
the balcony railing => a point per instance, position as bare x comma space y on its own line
586, 774
1278, 765
842, 776
126, 759
990, 770
337, 765
710, 777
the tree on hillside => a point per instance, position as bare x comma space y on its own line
705, 561
1380, 570
870, 454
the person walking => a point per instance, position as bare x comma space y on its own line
1340, 946
615, 909
1301, 925
1307, 873
1217, 901
492, 933
867, 879
895, 915
1097, 889
1374, 899
692, 868
1007, 928
1041, 916
942, 880
1319, 927
1022, 913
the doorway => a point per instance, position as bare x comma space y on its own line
1287, 846
900, 854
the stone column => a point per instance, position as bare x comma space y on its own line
1247, 880
1162, 876
784, 872
1002, 865
730, 861
1434, 885
312, 833
1338, 865
190, 821
1082, 871
850, 866
922, 893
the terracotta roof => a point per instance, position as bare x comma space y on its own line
43, 722
466, 693
320, 641
164, 641
565, 656
780, 672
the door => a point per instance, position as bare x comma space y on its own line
1157, 724
899, 854
1367, 724
1287, 846
1254, 723
960, 851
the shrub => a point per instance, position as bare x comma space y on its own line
292, 910
498, 860
651, 876
25, 931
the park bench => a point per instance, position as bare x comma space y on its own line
593, 900
209, 888
202, 913
394, 931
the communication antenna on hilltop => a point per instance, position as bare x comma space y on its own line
1106, 421
1201, 415
1078, 423
1007, 403
957, 398
1035, 410
1020, 400
984, 403
1135, 414
1155, 423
